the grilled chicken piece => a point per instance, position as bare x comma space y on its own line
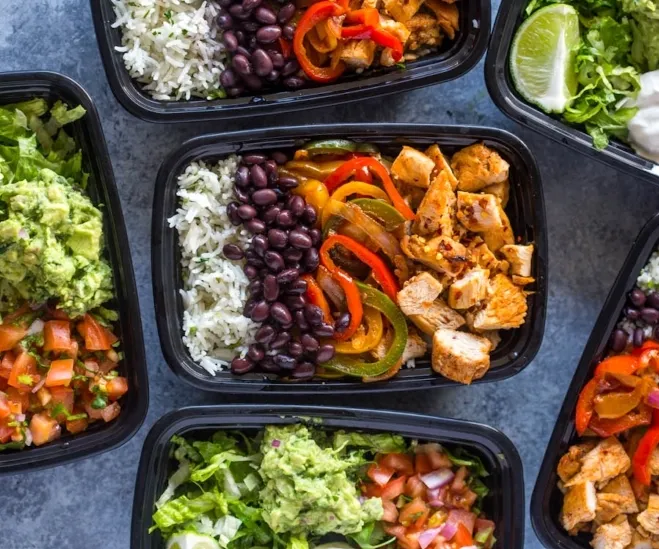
437, 209
478, 212
460, 356
416, 347
649, 519
412, 167
606, 461
358, 54
640, 541
373, 4
616, 498
481, 255
496, 238
500, 190
440, 253
520, 258
441, 164
447, 15
400, 31
614, 535
579, 505
478, 166
425, 32
505, 307
419, 293
570, 464
402, 10
492, 336
438, 315
522, 280
469, 290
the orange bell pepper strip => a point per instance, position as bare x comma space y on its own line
646, 446
647, 345
620, 364
380, 271
605, 428
585, 406
343, 172
317, 297
312, 16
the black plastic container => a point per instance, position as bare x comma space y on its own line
502, 90
20, 86
504, 505
461, 56
526, 211
547, 500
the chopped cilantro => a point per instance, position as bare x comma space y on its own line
99, 402
26, 379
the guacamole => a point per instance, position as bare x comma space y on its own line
307, 489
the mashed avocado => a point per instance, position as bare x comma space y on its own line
307, 489
645, 49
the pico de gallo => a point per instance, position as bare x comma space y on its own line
57, 374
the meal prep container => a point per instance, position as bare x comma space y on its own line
526, 210
502, 90
462, 54
20, 86
504, 505
547, 499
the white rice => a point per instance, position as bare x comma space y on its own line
170, 47
649, 277
214, 288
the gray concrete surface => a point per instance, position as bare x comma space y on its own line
594, 214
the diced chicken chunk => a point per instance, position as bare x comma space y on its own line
500, 236
469, 290
441, 164
478, 166
416, 347
447, 15
478, 212
607, 460
500, 190
579, 505
522, 280
440, 253
481, 255
616, 498
402, 10
438, 315
437, 209
358, 54
419, 293
570, 464
640, 541
614, 535
492, 336
505, 307
649, 519
520, 258
372, 4
412, 167
460, 356
425, 32
399, 30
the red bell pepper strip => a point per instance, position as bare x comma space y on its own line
312, 16
345, 170
387, 40
317, 297
643, 454
585, 408
379, 269
647, 346
606, 428
285, 47
620, 364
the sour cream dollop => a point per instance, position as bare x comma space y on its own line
644, 127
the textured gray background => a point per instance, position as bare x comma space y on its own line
594, 214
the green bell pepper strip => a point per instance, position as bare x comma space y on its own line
354, 367
389, 216
339, 146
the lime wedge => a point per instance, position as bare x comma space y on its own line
542, 57
188, 540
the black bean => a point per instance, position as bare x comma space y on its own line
250, 272
316, 237
260, 244
237, 11
277, 238
299, 240
278, 156
637, 297
235, 91
249, 307
296, 204
258, 178
232, 212
233, 252
228, 79
325, 353
280, 313
255, 226
270, 288
230, 41
261, 62
631, 314
295, 349
618, 341
268, 34
241, 64
288, 182
274, 261
249, 5
313, 314
242, 50
651, 316
256, 262
285, 362
288, 325
250, 26
242, 173
252, 43
260, 312
652, 300
342, 323
224, 21
301, 321
309, 342
255, 352
242, 37
286, 12
324, 330
246, 212
264, 272
285, 219
309, 216
295, 302
292, 256
267, 365
296, 288
304, 370
294, 82
264, 197
225, 3
280, 341
288, 31
265, 15
265, 334
270, 216
288, 275
241, 366
639, 337
311, 260
252, 81
278, 62
255, 287
290, 68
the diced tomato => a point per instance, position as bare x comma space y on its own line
415, 488
117, 387
458, 484
72, 351
3, 384
110, 412
44, 429
10, 336
97, 338
24, 365
65, 397
422, 464
57, 335
5, 410
60, 373
394, 489
18, 398
410, 541
57, 314
15, 408
463, 537
415, 513
463, 517
44, 397
12, 318
390, 511
93, 413
371, 490
401, 463
77, 425
7, 364
5, 432
396, 530
380, 475
438, 460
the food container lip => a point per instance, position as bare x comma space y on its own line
164, 256
463, 55
544, 514
16, 86
507, 99
506, 472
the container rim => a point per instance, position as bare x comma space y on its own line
564, 432
454, 431
503, 93
89, 137
462, 56
179, 360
